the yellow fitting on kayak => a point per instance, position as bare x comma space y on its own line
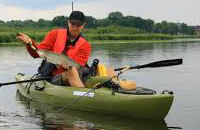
127, 84
101, 70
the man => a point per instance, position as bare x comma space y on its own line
66, 41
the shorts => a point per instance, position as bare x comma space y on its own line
57, 79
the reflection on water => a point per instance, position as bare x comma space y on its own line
183, 80
129, 53
76, 120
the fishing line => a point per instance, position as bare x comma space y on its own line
30, 84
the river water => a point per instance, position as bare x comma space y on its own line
16, 113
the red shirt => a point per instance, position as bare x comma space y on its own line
55, 41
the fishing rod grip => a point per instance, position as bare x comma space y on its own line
118, 69
124, 69
121, 69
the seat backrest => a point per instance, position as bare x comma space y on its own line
103, 70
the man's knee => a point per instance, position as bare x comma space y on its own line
72, 76
70, 72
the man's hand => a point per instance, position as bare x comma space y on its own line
23, 38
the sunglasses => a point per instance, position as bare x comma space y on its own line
75, 23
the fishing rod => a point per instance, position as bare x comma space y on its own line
25, 81
72, 6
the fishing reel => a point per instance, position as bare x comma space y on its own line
113, 86
93, 68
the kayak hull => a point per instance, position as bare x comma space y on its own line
155, 106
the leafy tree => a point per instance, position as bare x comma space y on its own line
115, 16
183, 28
2, 22
191, 30
103, 22
157, 28
43, 23
127, 21
30, 23
60, 21
149, 25
91, 22
16, 23
166, 28
173, 28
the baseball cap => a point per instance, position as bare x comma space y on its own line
78, 17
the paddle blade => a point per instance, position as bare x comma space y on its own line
160, 64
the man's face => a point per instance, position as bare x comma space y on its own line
75, 28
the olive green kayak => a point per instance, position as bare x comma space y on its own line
145, 106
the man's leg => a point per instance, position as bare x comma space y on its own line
71, 75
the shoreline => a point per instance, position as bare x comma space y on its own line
146, 41
121, 41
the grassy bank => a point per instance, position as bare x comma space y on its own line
121, 41
10, 37
147, 41
98, 35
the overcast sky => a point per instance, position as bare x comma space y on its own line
187, 11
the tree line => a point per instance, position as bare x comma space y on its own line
114, 19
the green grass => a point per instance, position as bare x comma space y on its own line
128, 37
100, 35
121, 41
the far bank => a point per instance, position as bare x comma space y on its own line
179, 40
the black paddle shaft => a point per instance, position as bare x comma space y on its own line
162, 63
24, 81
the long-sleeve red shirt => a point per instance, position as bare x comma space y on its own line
56, 40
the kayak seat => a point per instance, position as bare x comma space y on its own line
110, 72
